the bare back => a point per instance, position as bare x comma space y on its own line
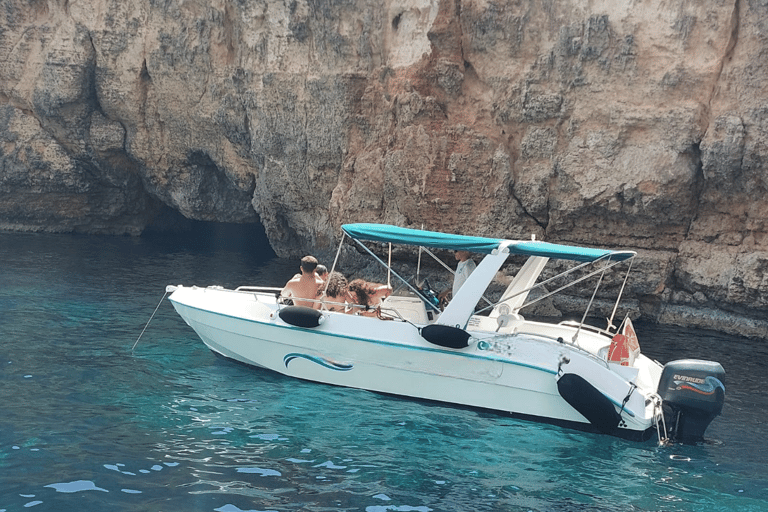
305, 286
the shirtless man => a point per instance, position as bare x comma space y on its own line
305, 285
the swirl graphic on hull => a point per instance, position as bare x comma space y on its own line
326, 363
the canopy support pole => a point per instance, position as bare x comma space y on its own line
618, 299
541, 284
414, 290
589, 306
453, 273
335, 260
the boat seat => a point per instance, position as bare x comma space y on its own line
410, 309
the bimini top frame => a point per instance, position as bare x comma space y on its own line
436, 240
489, 246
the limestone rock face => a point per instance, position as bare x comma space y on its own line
614, 124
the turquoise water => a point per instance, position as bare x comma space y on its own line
87, 424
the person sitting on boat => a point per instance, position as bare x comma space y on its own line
332, 296
304, 285
464, 268
322, 272
365, 298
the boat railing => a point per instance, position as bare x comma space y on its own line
570, 284
349, 308
398, 276
561, 340
358, 309
250, 289
562, 334
393, 314
588, 327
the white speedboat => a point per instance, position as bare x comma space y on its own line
470, 353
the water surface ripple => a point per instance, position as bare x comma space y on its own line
89, 425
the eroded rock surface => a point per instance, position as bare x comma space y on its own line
638, 125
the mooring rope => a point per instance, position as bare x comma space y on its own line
150, 319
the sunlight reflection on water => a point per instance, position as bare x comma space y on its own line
89, 426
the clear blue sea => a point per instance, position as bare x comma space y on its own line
88, 425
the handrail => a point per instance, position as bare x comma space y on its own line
362, 245
558, 339
587, 327
291, 298
612, 264
257, 289
397, 316
347, 305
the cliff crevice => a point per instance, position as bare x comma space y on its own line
636, 125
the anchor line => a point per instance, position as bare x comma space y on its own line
150, 319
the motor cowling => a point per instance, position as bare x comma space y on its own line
693, 393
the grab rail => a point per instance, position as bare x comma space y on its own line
394, 313
258, 289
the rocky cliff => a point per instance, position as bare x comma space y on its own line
638, 124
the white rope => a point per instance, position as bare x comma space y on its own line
150, 319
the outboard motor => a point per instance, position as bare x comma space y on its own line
693, 392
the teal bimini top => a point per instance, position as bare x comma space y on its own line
407, 236
436, 240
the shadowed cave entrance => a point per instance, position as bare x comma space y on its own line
169, 228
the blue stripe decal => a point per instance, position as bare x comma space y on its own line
327, 363
291, 328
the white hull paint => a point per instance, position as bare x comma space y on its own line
513, 370
568, 372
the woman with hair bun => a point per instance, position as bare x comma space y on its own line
335, 294
366, 297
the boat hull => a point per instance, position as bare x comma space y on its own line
392, 358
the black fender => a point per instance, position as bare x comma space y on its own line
301, 316
591, 403
445, 336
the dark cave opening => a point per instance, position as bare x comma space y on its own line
170, 229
